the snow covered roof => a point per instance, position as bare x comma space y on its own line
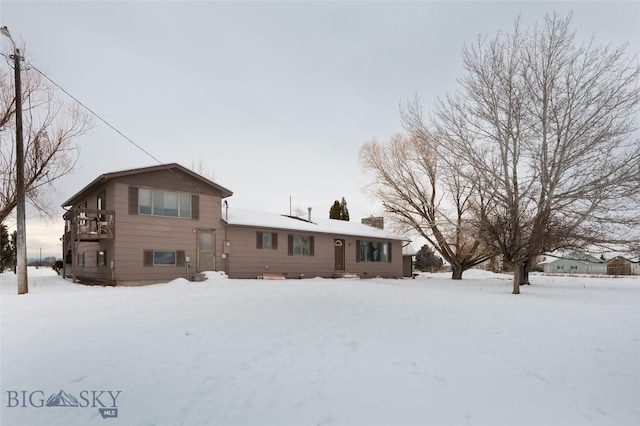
240, 217
573, 255
592, 257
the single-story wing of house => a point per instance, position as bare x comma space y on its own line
572, 263
158, 223
262, 243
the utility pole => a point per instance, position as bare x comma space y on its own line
21, 239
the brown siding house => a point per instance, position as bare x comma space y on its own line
155, 224
142, 225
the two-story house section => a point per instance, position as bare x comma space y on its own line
144, 225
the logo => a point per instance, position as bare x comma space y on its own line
105, 401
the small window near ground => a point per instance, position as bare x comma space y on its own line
164, 258
102, 258
80, 259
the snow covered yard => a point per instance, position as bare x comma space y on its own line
428, 351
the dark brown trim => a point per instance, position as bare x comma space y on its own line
195, 207
147, 258
133, 200
180, 257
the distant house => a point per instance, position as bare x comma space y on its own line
158, 223
572, 263
620, 266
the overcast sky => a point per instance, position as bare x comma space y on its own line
275, 98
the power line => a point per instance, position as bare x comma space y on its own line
97, 116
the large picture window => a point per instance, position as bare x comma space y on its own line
163, 203
373, 251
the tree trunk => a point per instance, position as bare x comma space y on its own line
456, 272
524, 272
516, 278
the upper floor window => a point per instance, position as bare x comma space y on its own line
163, 203
373, 251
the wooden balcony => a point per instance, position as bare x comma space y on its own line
89, 224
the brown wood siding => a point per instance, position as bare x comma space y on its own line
247, 261
137, 233
169, 180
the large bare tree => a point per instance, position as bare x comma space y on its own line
50, 130
423, 193
545, 127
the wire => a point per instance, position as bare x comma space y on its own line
96, 115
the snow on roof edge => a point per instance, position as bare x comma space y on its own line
241, 217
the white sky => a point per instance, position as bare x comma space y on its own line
276, 98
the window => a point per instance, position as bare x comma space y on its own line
164, 258
373, 251
301, 245
574, 267
163, 203
267, 240
102, 258
80, 259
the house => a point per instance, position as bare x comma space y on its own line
158, 223
572, 263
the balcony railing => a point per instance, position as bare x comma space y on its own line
90, 224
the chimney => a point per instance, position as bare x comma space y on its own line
375, 221
309, 208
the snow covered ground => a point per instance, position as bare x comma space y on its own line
428, 351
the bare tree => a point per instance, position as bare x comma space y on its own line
201, 168
545, 128
50, 130
423, 193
